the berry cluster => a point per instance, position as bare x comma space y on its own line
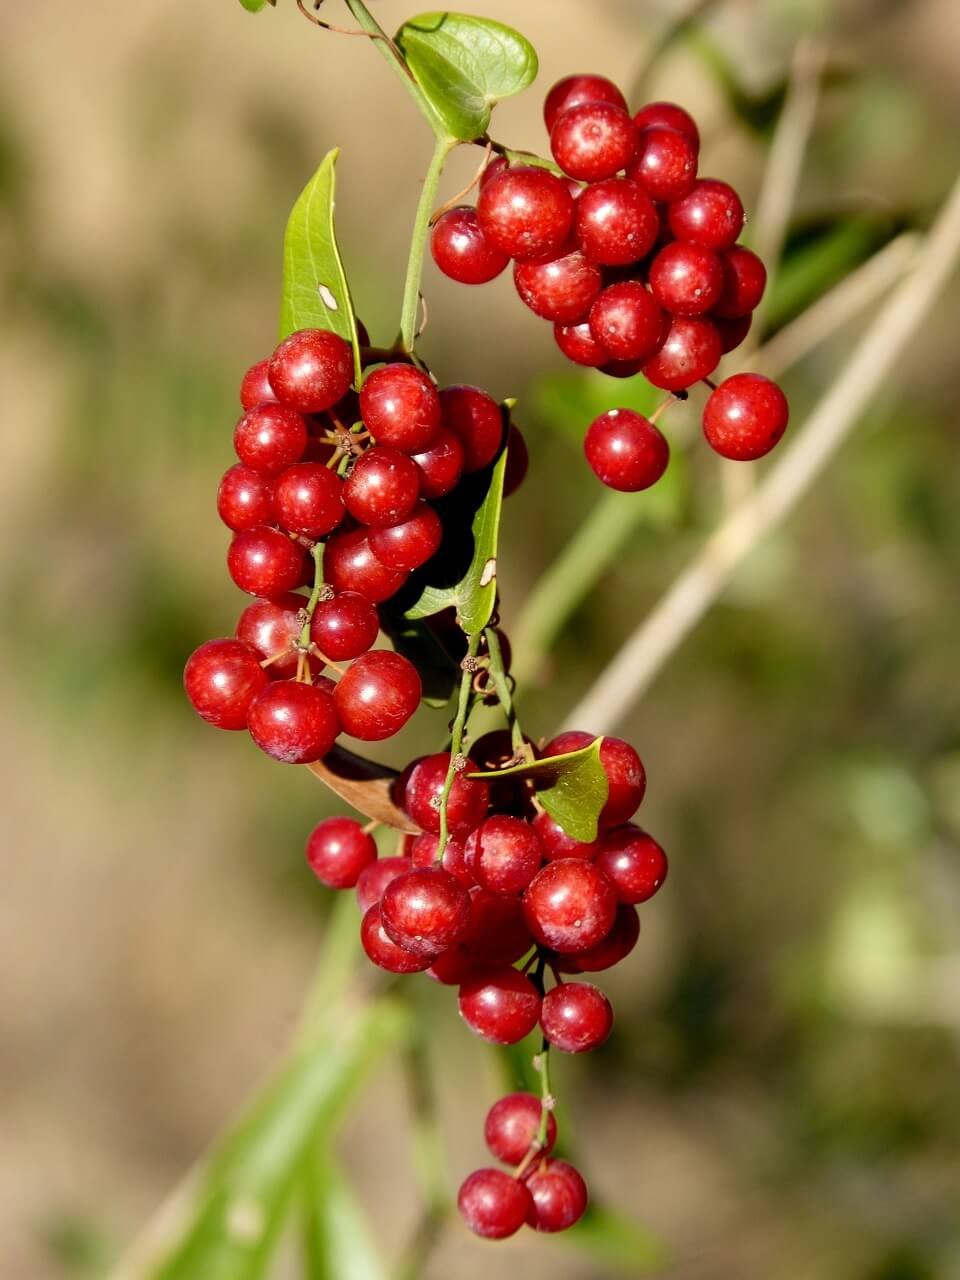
635, 261
501, 898
335, 489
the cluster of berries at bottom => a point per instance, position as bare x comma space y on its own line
635, 261
507, 899
336, 489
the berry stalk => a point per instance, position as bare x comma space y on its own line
456, 741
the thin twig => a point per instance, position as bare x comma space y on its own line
461, 195
691, 595
340, 31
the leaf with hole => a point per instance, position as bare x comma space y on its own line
572, 787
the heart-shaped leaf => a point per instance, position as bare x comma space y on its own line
316, 294
465, 65
572, 788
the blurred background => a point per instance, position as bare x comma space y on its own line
781, 1096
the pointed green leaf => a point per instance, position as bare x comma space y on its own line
572, 788
465, 65
337, 1241
315, 290
254, 6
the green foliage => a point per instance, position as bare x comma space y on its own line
337, 1243
610, 1238
572, 787
254, 6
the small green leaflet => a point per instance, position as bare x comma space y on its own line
315, 290
465, 65
254, 6
572, 788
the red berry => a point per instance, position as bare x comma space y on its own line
518, 461
610, 950
711, 215
309, 499
557, 844
272, 627
665, 165
526, 212
578, 344
745, 417
255, 388
270, 437
245, 498
423, 853
423, 784
425, 911
744, 280
498, 933
410, 543
690, 352
576, 1017
350, 565
477, 421
573, 91
669, 116
295, 723
625, 451
494, 1205
732, 332
593, 141
383, 951
382, 488
616, 222
504, 854
560, 289
400, 407
569, 905
221, 679
264, 562
559, 1195
344, 627
374, 879
686, 279
338, 849
462, 251
626, 778
512, 1126
627, 321
495, 167
502, 1005
311, 370
378, 694
441, 465
633, 862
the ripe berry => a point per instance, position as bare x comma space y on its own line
578, 344
569, 905
344, 627
518, 460
255, 388
690, 352
383, 951
557, 844
338, 849
350, 565
374, 879
378, 694
626, 319
264, 562
625, 451
711, 215
245, 498
270, 437
626, 777
561, 289
441, 464
745, 417
616, 222
593, 141
425, 911
495, 167
633, 862
526, 212
477, 421
494, 1205
686, 279
610, 950
382, 487
422, 785
410, 543
309, 499
272, 627
498, 933
502, 1005
400, 407
504, 854
311, 370
744, 280
665, 165
573, 91
559, 1195
295, 723
462, 251
512, 1126
667, 115
423, 853
576, 1017
221, 679
732, 332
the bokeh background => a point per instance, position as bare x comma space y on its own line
781, 1097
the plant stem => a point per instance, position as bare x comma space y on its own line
396, 61
315, 594
542, 1064
456, 739
501, 683
418, 241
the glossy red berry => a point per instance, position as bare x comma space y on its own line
410, 543
593, 141
425, 911
745, 417
345, 626
512, 1126
264, 562
669, 116
476, 420
616, 222
573, 91
744, 280
686, 279
559, 1195
498, 933
504, 854
374, 879
610, 950
350, 565
462, 251
578, 344
690, 352
732, 332
626, 777
557, 844
502, 1005
255, 388
338, 849
270, 437
308, 499
625, 450
423, 853
627, 321
311, 370
383, 951
377, 695
494, 1205
400, 407
423, 784
576, 1017
526, 212
633, 862
665, 165
221, 680
245, 498
295, 723
711, 215
560, 289
569, 905
441, 465
382, 488
272, 627
493, 169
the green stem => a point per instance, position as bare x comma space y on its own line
396, 61
418, 241
498, 675
456, 739
542, 1064
315, 594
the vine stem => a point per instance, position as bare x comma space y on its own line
418, 241
498, 674
315, 594
397, 63
456, 738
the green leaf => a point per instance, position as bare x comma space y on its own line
315, 290
254, 6
611, 1238
465, 65
464, 575
337, 1240
572, 788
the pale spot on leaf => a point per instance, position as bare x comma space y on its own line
327, 298
245, 1221
489, 572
